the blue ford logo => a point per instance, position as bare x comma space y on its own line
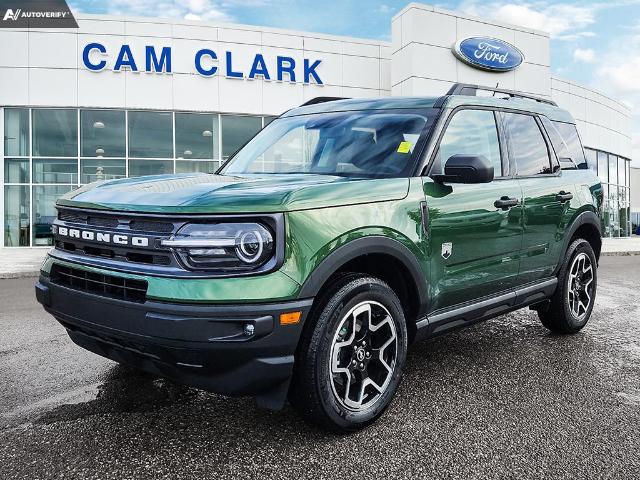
488, 54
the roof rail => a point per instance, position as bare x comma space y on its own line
472, 90
316, 100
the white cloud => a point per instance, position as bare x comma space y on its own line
586, 55
384, 9
624, 76
207, 10
558, 19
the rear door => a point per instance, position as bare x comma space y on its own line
473, 244
547, 195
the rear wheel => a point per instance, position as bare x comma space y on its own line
350, 360
572, 303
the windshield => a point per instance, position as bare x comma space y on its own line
355, 143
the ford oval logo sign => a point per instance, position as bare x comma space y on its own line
488, 54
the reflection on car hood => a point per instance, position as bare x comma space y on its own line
204, 193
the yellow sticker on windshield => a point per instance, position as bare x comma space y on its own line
404, 147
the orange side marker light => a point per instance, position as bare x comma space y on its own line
290, 318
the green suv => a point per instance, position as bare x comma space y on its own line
341, 233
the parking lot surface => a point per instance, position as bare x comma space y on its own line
501, 399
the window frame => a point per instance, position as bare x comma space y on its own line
507, 171
554, 163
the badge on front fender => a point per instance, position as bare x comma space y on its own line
447, 249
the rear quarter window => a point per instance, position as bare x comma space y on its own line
566, 143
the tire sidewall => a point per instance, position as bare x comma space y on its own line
575, 249
355, 292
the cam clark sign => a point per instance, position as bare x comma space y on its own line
206, 62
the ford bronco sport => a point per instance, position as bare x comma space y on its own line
341, 233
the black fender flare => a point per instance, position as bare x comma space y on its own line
587, 217
374, 244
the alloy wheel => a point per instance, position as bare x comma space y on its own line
580, 285
363, 355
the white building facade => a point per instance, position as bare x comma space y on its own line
134, 96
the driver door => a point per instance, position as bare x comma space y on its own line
474, 244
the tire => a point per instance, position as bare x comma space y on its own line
320, 390
572, 303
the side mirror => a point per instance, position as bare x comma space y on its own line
467, 169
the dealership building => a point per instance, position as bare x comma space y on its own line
122, 96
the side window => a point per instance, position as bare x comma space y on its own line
571, 138
527, 145
471, 132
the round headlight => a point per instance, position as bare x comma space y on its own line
250, 246
223, 246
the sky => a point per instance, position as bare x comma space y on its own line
595, 43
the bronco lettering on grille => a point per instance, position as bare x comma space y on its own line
101, 237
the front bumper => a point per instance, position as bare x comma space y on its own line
204, 346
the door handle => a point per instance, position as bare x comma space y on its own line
564, 196
505, 203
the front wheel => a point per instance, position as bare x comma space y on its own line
572, 303
351, 357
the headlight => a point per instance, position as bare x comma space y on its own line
223, 246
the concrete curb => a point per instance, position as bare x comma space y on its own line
619, 254
27, 274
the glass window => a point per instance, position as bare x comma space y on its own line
150, 135
55, 133
196, 135
571, 143
185, 166
613, 169
16, 216
55, 170
138, 168
603, 167
592, 160
236, 131
16, 170
268, 120
622, 171
16, 132
102, 133
93, 170
44, 212
362, 144
471, 132
527, 145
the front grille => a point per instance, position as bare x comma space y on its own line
98, 284
151, 226
70, 216
107, 222
114, 221
123, 255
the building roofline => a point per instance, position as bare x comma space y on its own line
595, 91
235, 26
452, 13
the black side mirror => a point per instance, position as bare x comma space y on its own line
466, 169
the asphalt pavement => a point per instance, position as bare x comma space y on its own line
503, 399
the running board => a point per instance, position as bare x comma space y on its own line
441, 321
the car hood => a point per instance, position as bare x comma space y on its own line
206, 193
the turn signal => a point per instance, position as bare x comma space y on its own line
290, 318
